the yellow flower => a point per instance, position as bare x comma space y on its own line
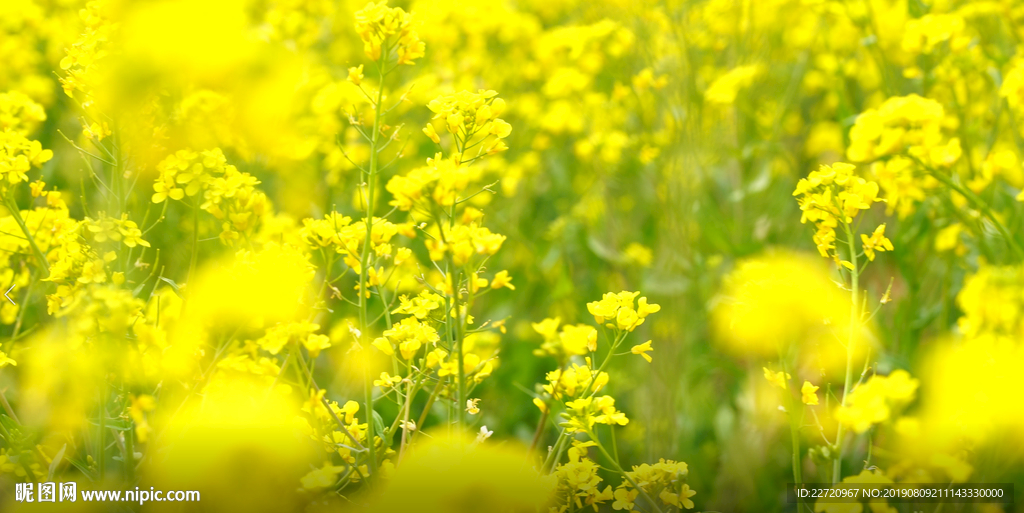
323, 477
448, 369
642, 350
419, 306
725, 88
877, 242
778, 379
948, 239
386, 380
620, 307
384, 345
355, 74
500, 129
684, 496
809, 393
638, 254
578, 339
316, 343
548, 328
6, 360
643, 309
873, 401
139, 405
502, 279
382, 27
627, 319
669, 498
436, 357
349, 410
470, 115
473, 406
410, 334
541, 405
624, 499
431, 133
830, 196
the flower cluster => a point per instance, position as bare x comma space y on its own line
83, 56
563, 344
725, 88
408, 336
617, 311
124, 230
385, 30
873, 401
575, 387
18, 154
420, 305
73, 266
278, 337
924, 34
441, 182
992, 302
903, 124
572, 381
229, 195
579, 484
472, 119
346, 238
583, 413
830, 198
463, 242
20, 113
665, 480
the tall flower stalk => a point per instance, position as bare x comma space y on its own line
389, 41
832, 197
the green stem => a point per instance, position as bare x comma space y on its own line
387, 307
588, 392
794, 430
615, 445
540, 429
129, 455
12, 206
556, 451
365, 258
625, 475
608, 358
460, 389
102, 450
194, 258
854, 323
301, 361
370, 442
426, 408
979, 204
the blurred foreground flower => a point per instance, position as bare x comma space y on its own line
456, 474
781, 301
241, 448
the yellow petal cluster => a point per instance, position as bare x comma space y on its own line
874, 400
388, 31
619, 311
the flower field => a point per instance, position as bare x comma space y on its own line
511, 256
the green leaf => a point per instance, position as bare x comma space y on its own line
56, 461
81, 466
177, 289
378, 424
116, 424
